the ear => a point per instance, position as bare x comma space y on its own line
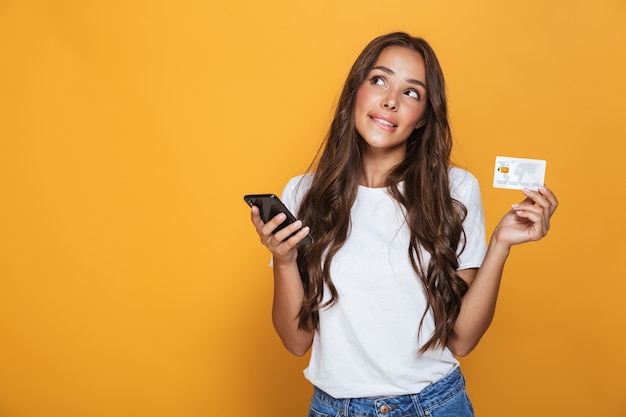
419, 124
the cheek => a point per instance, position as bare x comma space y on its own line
416, 114
363, 97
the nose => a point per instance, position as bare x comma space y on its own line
388, 102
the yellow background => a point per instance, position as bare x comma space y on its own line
131, 282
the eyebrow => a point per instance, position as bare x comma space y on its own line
390, 71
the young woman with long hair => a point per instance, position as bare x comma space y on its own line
399, 279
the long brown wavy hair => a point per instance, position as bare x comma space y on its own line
433, 216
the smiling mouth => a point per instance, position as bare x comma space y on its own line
383, 122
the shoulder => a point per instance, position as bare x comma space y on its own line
294, 191
300, 181
460, 176
298, 185
463, 184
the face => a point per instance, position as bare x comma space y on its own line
391, 100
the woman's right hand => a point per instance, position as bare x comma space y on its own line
282, 250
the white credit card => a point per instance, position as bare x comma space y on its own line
519, 173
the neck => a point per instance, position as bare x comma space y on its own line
373, 181
376, 169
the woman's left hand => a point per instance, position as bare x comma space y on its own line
528, 220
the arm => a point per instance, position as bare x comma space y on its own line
525, 222
288, 289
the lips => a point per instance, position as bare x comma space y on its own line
384, 121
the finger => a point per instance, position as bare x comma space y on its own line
284, 233
531, 212
527, 202
273, 244
255, 216
271, 225
303, 233
549, 195
294, 240
539, 201
283, 247
536, 216
536, 197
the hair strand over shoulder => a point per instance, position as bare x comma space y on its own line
434, 218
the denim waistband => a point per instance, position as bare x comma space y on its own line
402, 405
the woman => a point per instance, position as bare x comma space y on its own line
398, 281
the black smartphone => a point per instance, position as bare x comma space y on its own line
269, 206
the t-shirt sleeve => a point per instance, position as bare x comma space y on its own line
292, 196
294, 192
465, 188
288, 197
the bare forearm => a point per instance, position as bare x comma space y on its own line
288, 289
479, 303
288, 297
527, 221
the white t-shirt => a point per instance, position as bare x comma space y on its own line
368, 343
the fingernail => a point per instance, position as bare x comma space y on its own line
515, 206
298, 223
281, 216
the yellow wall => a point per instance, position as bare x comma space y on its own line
131, 282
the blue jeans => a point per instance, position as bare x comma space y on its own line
445, 398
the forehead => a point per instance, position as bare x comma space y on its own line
403, 61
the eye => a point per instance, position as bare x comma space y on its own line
377, 80
413, 94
